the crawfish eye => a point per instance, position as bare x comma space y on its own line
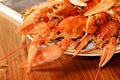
115, 36
109, 18
59, 38
58, 32
56, 7
98, 22
43, 19
57, 19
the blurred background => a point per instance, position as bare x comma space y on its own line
20, 5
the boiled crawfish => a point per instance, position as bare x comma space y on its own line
107, 40
46, 22
59, 19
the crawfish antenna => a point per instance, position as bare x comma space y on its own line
97, 73
13, 52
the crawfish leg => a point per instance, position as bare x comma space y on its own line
83, 43
74, 44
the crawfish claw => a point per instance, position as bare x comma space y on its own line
102, 6
108, 52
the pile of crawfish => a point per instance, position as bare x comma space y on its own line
70, 24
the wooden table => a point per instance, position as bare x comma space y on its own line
65, 68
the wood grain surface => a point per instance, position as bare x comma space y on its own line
65, 68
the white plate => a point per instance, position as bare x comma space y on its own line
89, 52
84, 53
18, 17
